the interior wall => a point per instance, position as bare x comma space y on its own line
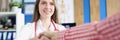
97, 12
94, 10
113, 6
78, 11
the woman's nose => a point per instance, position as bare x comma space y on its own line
48, 6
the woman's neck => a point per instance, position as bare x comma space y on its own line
46, 22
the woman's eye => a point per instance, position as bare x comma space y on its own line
51, 3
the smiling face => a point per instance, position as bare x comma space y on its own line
46, 8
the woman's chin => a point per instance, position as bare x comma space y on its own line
47, 16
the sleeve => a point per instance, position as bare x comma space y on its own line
25, 32
82, 32
105, 30
109, 29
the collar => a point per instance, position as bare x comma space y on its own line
39, 26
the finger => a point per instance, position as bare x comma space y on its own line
45, 38
47, 34
40, 36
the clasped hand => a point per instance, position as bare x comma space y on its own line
46, 36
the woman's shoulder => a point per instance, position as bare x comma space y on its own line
28, 26
60, 27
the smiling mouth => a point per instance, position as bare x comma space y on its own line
46, 12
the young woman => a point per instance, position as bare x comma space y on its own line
44, 19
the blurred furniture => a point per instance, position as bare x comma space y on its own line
10, 33
7, 34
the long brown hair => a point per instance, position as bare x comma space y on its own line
36, 15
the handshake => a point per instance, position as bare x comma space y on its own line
46, 36
108, 29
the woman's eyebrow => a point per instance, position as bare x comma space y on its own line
43, 1
52, 3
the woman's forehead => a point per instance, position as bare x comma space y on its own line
47, 0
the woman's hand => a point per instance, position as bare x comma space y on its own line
48, 35
34, 39
41, 38
44, 38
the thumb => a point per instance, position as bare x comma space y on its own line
40, 35
47, 34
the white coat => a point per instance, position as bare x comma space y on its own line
28, 31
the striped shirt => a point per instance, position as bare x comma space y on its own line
108, 29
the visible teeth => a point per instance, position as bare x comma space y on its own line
47, 12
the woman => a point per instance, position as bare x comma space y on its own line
44, 19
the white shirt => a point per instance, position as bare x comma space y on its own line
28, 31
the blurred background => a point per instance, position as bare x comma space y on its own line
16, 13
